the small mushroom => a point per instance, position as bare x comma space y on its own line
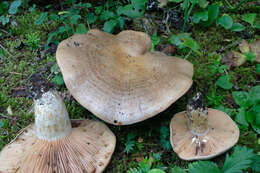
53, 144
201, 133
118, 79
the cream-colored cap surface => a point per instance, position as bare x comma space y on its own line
255, 47
88, 148
222, 134
118, 79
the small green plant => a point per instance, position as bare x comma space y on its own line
216, 66
146, 166
213, 99
155, 41
250, 18
130, 143
164, 138
224, 82
6, 13
57, 79
249, 111
32, 40
241, 159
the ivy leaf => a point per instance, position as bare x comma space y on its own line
41, 19
81, 29
224, 82
241, 98
110, 26
226, 21
249, 18
14, 7
240, 159
254, 94
200, 16
203, 166
177, 169
237, 27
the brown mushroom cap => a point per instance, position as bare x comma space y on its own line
88, 148
222, 134
118, 79
255, 47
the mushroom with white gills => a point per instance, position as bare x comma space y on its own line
54, 144
200, 132
118, 79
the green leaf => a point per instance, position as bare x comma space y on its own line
133, 10
203, 166
14, 7
58, 80
3, 6
98, 10
1, 124
145, 165
177, 169
74, 18
240, 159
225, 21
250, 56
91, 18
121, 22
241, 98
255, 110
256, 163
107, 15
224, 82
241, 117
237, 27
4, 20
192, 44
200, 16
81, 29
213, 11
110, 26
203, 3
155, 40
254, 94
155, 171
257, 69
249, 18
41, 19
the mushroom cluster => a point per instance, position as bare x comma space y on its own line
118, 79
201, 133
54, 144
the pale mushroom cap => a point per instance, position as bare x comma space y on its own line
222, 134
255, 47
88, 148
118, 79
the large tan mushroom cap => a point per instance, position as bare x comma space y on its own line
118, 79
88, 148
255, 47
222, 135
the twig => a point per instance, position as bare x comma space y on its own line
15, 73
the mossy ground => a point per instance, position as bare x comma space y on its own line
17, 66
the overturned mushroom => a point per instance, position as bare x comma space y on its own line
201, 133
118, 79
53, 144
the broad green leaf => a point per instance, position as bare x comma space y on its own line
91, 18
203, 3
237, 27
107, 15
256, 128
98, 9
250, 56
225, 21
257, 69
200, 16
241, 98
14, 7
254, 94
133, 10
155, 171
3, 6
213, 11
240, 159
241, 117
192, 44
81, 29
249, 18
203, 166
41, 19
58, 80
177, 169
74, 18
224, 82
110, 26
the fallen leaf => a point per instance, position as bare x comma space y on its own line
244, 46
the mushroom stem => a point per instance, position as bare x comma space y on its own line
197, 114
51, 117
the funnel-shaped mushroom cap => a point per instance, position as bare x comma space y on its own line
87, 147
118, 79
222, 134
255, 47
